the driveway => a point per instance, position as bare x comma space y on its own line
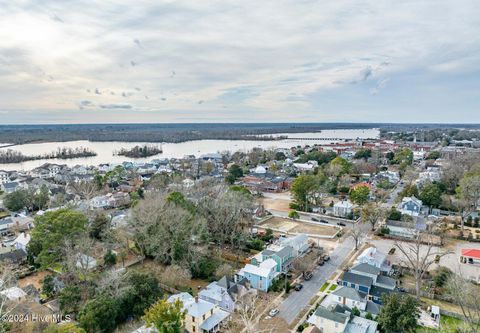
297, 300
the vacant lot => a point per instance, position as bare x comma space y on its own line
290, 226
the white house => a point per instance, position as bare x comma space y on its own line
22, 241
201, 316
4, 177
375, 258
342, 208
14, 294
299, 243
98, 202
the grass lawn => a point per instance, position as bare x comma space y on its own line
447, 324
324, 286
332, 287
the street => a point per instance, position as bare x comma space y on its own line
297, 300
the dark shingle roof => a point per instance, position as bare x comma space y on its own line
366, 268
357, 279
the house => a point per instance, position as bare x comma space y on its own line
22, 241
86, 262
339, 319
353, 299
342, 208
298, 243
261, 276
402, 229
119, 199
4, 178
358, 282
375, 258
410, 206
225, 292
470, 256
15, 256
10, 187
99, 202
14, 294
201, 316
282, 255
15, 223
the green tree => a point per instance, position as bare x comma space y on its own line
293, 214
363, 153
394, 214
234, 172
51, 231
343, 165
48, 285
16, 200
110, 258
142, 290
63, 328
359, 194
431, 195
302, 188
41, 198
99, 226
405, 156
398, 313
280, 156
69, 299
433, 155
166, 317
99, 315
409, 191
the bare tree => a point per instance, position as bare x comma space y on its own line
110, 282
305, 264
79, 256
465, 295
86, 189
357, 234
249, 314
175, 276
224, 270
419, 254
372, 214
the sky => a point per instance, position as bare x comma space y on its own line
239, 61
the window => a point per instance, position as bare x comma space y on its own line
203, 317
336, 325
193, 319
193, 328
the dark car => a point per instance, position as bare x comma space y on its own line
315, 219
401, 289
324, 221
320, 262
307, 276
326, 257
341, 224
298, 287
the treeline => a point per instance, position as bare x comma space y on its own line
13, 156
432, 135
158, 132
140, 151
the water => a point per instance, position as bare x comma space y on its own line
105, 150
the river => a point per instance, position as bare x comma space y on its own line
105, 150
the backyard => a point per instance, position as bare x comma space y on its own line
291, 226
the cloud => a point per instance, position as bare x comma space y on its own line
262, 63
85, 104
116, 106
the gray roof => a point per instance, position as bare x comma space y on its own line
372, 307
366, 268
349, 293
379, 291
357, 279
361, 325
387, 281
331, 315
216, 318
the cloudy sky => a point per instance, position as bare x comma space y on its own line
239, 61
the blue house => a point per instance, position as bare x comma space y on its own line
260, 277
358, 282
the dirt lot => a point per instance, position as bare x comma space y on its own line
35, 279
276, 201
290, 226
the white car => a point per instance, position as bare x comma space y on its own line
273, 312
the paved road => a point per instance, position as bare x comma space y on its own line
297, 300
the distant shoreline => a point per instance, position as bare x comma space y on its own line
177, 133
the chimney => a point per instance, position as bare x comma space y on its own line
196, 299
